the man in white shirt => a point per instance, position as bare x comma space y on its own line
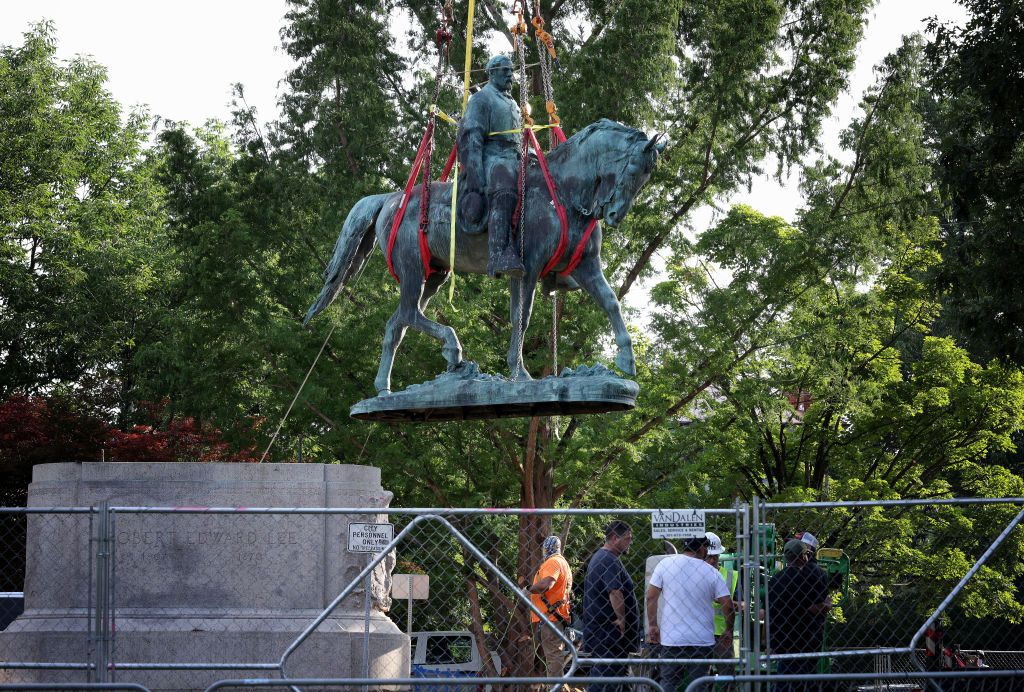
685, 628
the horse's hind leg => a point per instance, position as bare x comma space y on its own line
394, 332
451, 349
409, 292
592, 279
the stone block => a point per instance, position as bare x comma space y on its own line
204, 587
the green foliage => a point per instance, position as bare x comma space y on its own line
790, 358
976, 80
82, 251
812, 341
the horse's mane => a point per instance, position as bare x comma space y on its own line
573, 146
576, 149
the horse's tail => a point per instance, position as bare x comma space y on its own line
351, 252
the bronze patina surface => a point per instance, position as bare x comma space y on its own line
471, 395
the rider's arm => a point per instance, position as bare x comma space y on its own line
472, 134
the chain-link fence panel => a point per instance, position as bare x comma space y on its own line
891, 587
959, 681
461, 591
47, 565
199, 592
434, 599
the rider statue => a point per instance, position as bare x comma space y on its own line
488, 144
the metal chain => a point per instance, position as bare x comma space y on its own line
520, 227
544, 60
443, 39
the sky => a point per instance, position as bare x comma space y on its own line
180, 59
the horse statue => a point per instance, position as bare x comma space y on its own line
597, 174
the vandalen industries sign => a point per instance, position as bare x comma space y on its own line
677, 523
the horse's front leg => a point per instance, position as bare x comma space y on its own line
590, 276
522, 292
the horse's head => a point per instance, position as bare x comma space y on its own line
639, 164
623, 160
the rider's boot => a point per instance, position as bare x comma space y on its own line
503, 260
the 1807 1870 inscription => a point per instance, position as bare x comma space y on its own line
588, 181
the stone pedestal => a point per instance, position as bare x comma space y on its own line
204, 588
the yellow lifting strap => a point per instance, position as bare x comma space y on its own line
455, 170
442, 115
524, 127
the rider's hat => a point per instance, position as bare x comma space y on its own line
498, 61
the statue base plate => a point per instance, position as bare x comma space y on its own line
467, 394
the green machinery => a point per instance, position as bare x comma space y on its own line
834, 562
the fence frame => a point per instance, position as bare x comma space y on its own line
751, 665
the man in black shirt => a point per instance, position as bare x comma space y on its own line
798, 603
611, 619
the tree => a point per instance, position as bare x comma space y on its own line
81, 253
976, 77
830, 384
729, 92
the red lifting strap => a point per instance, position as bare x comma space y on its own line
449, 163
422, 155
563, 219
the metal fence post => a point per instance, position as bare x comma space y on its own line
366, 625
755, 597
90, 649
746, 569
112, 619
101, 615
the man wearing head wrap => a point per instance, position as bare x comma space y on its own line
488, 144
550, 592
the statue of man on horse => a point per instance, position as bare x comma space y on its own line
488, 146
589, 178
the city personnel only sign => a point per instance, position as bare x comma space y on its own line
369, 538
677, 523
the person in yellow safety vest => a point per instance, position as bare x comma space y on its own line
731, 576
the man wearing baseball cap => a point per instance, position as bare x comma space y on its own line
797, 606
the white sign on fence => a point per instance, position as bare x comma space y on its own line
369, 538
410, 586
677, 523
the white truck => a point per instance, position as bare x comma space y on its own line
451, 654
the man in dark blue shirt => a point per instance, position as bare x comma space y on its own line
611, 619
798, 604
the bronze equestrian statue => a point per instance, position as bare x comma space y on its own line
597, 174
